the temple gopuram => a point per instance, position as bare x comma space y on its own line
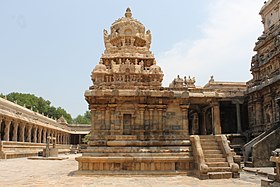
263, 91
141, 127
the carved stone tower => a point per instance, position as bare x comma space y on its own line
127, 61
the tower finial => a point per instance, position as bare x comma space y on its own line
128, 13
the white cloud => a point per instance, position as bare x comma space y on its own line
225, 49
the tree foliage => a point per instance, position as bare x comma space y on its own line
83, 119
38, 104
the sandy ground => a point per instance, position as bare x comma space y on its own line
25, 172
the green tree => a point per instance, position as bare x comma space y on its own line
83, 119
38, 104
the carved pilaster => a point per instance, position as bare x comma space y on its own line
185, 118
151, 120
107, 118
93, 116
160, 119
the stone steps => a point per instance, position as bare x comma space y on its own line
210, 147
217, 164
220, 175
215, 159
212, 152
248, 164
213, 155
219, 169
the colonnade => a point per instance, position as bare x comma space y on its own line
21, 131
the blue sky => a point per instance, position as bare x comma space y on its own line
49, 48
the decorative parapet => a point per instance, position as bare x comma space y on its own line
200, 164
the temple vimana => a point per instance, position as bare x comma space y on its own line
141, 127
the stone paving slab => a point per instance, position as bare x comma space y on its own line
260, 170
25, 172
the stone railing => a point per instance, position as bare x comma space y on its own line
247, 148
224, 145
262, 149
200, 164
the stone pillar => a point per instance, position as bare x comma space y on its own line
21, 134
185, 119
238, 118
15, 131
44, 135
7, 130
63, 139
216, 120
57, 138
29, 128
203, 124
48, 133
39, 134
68, 138
35, 134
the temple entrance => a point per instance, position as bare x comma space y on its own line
127, 124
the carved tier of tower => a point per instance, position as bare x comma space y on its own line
127, 61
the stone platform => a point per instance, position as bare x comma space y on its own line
127, 155
207, 157
25, 172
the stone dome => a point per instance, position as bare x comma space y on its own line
127, 25
100, 68
155, 69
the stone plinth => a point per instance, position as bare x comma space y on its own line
134, 156
51, 152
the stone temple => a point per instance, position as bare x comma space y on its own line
140, 127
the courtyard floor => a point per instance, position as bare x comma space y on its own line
25, 172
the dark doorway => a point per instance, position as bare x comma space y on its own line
127, 124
